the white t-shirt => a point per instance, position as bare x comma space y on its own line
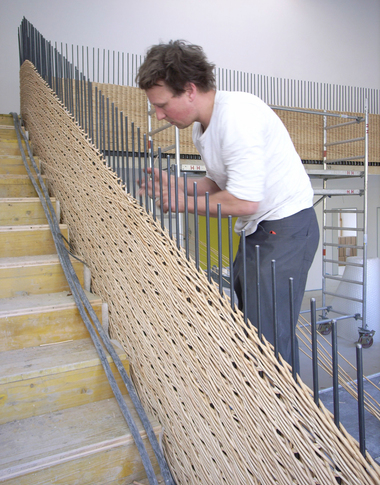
248, 151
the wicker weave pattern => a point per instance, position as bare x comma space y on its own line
306, 130
232, 414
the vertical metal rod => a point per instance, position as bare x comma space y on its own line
145, 173
108, 132
231, 261
244, 257
122, 167
169, 196
117, 142
161, 188
90, 112
359, 374
81, 99
314, 349
196, 231
127, 157
139, 160
177, 229
292, 327
104, 126
85, 112
365, 221
258, 291
274, 302
334, 349
208, 239
187, 246
220, 260
134, 162
113, 136
153, 175
98, 119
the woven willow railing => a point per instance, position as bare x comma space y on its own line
232, 414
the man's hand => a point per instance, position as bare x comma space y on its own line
230, 205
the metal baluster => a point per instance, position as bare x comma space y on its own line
334, 348
196, 229
258, 291
208, 243
220, 263
274, 303
161, 188
359, 373
134, 164
292, 327
127, 154
314, 349
176, 206
187, 247
231, 258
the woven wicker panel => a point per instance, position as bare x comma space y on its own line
134, 104
231, 413
306, 130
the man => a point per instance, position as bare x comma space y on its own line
252, 170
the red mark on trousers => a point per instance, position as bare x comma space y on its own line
272, 232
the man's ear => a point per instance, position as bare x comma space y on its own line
191, 91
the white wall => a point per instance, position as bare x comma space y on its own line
332, 41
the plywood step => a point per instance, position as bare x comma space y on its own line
30, 321
16, 186
6, 120
34, 275
14, 165
23, 211
28, 240
49, 378
8, 136
9, 148
87, 445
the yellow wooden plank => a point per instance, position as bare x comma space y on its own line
43, 385
16, 186
28, 240
41, 319
22, 211
37, 275
87, 445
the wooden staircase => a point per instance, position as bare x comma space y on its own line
59, 421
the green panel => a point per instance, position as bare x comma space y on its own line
214, 241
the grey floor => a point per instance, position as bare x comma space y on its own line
348, 406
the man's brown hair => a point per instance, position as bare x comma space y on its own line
177, 64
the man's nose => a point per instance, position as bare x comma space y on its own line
160, 115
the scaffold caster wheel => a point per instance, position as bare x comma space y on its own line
325, 328
366, 338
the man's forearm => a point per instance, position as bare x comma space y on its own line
230, 205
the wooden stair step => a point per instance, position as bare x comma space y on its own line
16, 186
9, 138
87, 445
8, 148
35, 275
6, 120
14, 165
28, 240
48, 378
23, 211
33, 320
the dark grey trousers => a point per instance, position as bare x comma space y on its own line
292, 243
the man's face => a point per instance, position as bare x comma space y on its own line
177, 110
